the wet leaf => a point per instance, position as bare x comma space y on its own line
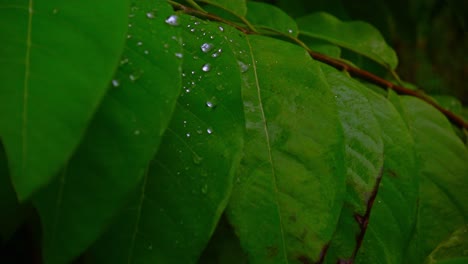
175, 211
266, 16
290, 185
58, 60
121, 139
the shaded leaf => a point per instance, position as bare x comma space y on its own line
451, 250
176, 209
270, 17
290, 185
58, 60
237, 7
443, 162
364, 162
393, 213
357, 36
120, 141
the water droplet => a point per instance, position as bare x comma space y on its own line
199, 131
115, 83
243, 67
221, 28
192, 30
197, 159
204, 189
212, 37
217, 54
206, 67
290, 31
173, 20
139, 43
211, 103
146, 52
137, 132
150, 15
179, 55
129, 36
187, 90
130, 25
187, 135
55, 11
206, 47
132, 77
124, 61
209, 130
196, 23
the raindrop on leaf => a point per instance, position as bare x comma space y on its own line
206, 47
172, 20
206, 67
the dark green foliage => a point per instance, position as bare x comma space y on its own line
135, 133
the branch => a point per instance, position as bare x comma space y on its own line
353, 71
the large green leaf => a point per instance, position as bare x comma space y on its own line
443, 162
271, 17
121, 139
357, 36
291, 183
237, 7
364, 162
393, 213
175, 211
58, 58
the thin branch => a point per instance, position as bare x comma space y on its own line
338, 64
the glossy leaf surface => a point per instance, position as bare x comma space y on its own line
43, 114
357, 36
290, 185
121, 139
265, 16
185, 190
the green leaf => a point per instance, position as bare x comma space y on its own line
11, 213
322, 47
58, 60
175, 211
451, 250
290, 185
364, 164
443, 162
392, 217
121, 139
449, 102
237, 7
357, 36
270, 17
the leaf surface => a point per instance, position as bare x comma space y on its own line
357, 36
290, 186
270, 17
442, 159
58, 60
364, 162
186, 188
237, 7
121, 139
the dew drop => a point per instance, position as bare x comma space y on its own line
290, 31
115, 83
206, 47
146, 52
211, 103
243, 67
212, 37
129, 36
196, 159
187, 135
130, 25
172, 20
206, 67
217, 53
196, 23
132, 77
136, 132
139, 43
55, 11
209, 130
179, 55
150, 15
192, 30
124, 61
204, 189
221, 28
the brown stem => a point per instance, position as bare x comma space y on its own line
353, 71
